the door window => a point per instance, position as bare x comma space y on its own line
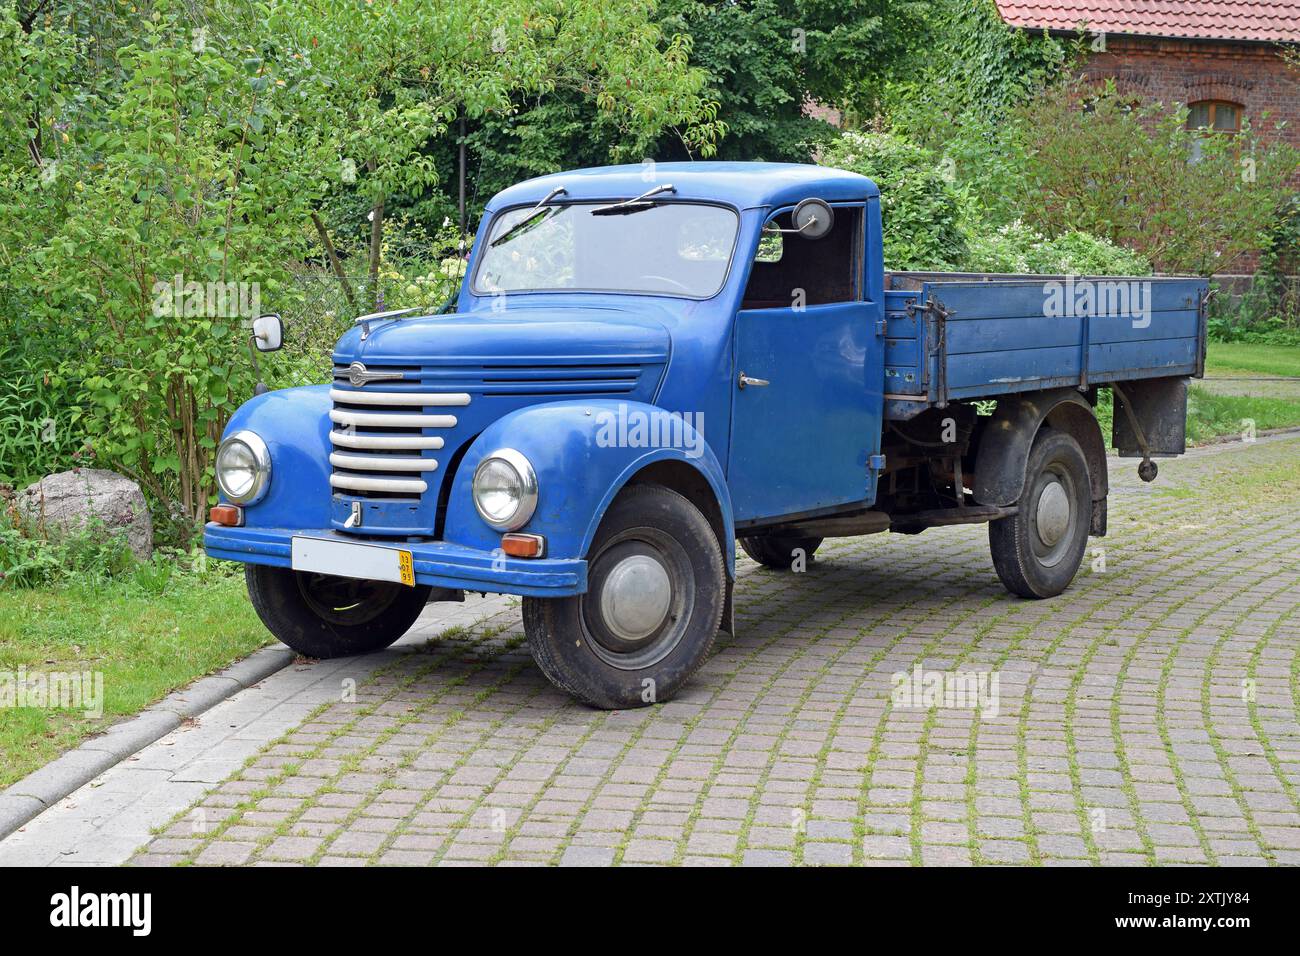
793, 271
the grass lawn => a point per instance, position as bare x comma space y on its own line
1230, 357
1212, 413
145, 643
1213, 416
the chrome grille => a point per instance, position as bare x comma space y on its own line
392, 441
380, 437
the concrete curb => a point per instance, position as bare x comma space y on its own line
45, 787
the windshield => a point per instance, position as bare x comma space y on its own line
666, 248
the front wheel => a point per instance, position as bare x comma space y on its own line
319, 615
1037, 551
655, 591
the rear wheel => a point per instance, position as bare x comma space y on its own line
1038, 550
320, 615
779, 551
655, 589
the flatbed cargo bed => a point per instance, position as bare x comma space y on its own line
962, 336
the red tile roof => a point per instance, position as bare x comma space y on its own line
1268, 20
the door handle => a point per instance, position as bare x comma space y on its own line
746, 380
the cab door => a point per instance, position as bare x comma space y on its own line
808, 377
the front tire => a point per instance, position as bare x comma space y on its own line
656, 584
322, 616
779, 551
1037, 551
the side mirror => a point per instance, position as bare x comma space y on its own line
268, 333
812, 218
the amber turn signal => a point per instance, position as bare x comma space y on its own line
229, 515
523, 545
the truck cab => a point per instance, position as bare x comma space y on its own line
643, 365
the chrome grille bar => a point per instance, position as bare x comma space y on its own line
385, 442
395, 420
398, 398
382, 463
410, 486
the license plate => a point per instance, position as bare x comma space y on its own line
347, 559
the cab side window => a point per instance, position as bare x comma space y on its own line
790, 269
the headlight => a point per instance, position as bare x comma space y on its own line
244, 468
505, 489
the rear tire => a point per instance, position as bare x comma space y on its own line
1037, 551
656, 584
322, 616
779, 551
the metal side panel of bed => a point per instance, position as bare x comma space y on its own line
955, 337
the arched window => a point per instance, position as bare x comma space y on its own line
1219, 116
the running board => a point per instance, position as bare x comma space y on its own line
873, 522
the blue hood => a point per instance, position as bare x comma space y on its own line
515, 335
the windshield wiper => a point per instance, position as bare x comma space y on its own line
539, 215
636, 204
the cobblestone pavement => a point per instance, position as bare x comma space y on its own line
1146, 716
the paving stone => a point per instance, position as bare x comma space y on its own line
827, 854
225, 853
587, 856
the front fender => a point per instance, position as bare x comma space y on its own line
583, 457
295, 424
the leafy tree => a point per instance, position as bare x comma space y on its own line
767, 60
167, 138
392, 77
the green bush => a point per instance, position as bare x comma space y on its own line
918, 204
1016, 247
1241, 319
1189, 201
40, 420
30, 558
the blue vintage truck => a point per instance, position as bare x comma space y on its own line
645, 364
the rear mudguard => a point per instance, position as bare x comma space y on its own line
1005, 442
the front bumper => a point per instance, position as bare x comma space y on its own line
438, 563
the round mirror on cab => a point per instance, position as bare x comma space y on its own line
812, 218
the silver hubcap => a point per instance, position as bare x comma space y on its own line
636, 597
1053, 516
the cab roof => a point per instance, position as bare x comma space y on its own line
743, 185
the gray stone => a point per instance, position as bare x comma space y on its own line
70, 501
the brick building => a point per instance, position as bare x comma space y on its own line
1221, 58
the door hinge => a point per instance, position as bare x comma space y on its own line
876, 463
882, 326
